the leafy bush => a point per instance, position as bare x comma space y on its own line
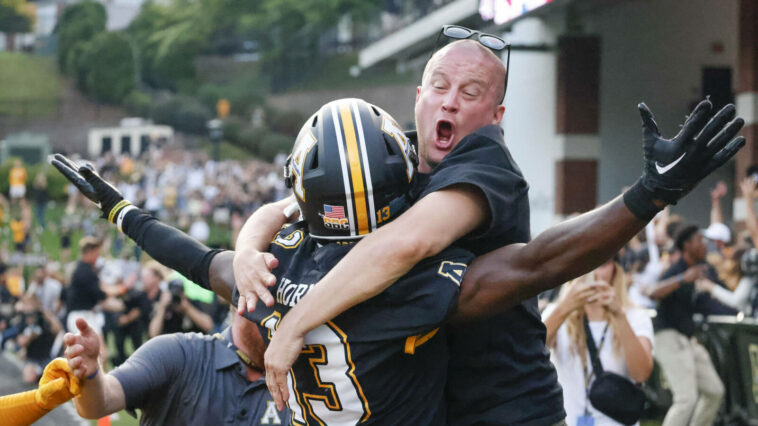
275, 143
184, 113
251, 139
79, 23
109, 67
193, 117
138, 103
233, 127
286, 122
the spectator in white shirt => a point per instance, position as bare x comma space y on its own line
623, 335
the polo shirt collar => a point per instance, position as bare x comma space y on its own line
225, 356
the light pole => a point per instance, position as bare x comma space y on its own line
215, 131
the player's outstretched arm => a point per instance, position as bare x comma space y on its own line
502, 278
252, 262
167, 245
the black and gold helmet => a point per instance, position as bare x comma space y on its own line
350, 169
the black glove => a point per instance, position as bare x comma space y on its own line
674, 166
89, 183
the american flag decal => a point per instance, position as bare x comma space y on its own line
334, 212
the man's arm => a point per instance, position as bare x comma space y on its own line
102, 394
717, 214
155, 328
252, 262
666, 287
504, 277
128, 317
748, 186
202, 320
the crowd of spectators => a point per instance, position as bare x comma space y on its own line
96, 273
647, 303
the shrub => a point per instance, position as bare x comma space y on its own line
79, 23
275, 143
138, 103
109, 67
184, 113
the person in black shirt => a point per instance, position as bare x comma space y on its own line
85, 294
695, 384
174, 312
131, 321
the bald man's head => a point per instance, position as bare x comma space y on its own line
491, 60
461, 91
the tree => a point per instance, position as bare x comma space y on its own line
290, 31
169, 37
15, 18
108, 67
79, 23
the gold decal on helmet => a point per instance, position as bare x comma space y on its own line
305, 142
392, 129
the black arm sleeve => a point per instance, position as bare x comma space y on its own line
170, 246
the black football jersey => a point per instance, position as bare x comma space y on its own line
500, 371
383, 361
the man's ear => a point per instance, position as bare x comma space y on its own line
418, 92
499, 113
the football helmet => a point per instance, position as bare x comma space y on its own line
351, 169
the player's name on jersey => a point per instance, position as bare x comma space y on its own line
290, 293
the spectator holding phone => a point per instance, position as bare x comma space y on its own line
623, 335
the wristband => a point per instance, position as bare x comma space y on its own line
120, 205
94, 374
122, 214
640, 202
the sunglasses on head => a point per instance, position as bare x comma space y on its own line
490, 41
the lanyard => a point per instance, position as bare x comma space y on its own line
588, 375
241, 355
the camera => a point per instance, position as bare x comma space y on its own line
176, 288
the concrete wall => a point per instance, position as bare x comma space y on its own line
530, 115
651, 51
654, 51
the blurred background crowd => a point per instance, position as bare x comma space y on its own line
58, 256
189, 106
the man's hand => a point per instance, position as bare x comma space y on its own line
82, 350
693, 273
578, 295
674, 166
252, 274
607, 298
89, 183
281, 353
704, 285
718, 191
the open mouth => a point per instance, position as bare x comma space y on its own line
444, 133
